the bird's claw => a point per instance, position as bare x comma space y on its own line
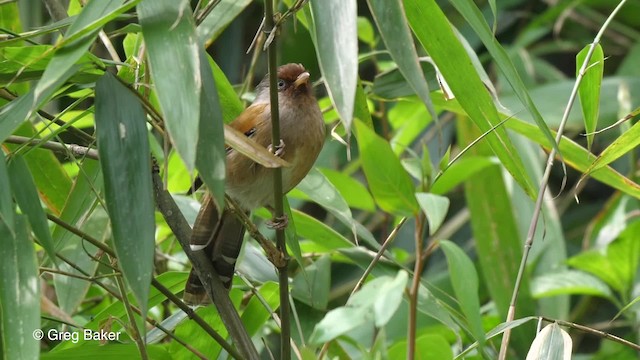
278, 223
279, 149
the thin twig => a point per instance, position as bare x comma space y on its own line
137, 337
283, 273
381, 251
7, 95
415, 286
76, 150
545, 181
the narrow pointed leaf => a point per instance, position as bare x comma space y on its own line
624, 144
437, 37
395, 32
26, 194
85, 29
210, 155
390, 184
173, 51
7, 210
19, 292
464, 279
474, 17
219, 18
589, 89
336, 41
435, 208
124, 157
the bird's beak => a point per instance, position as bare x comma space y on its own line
301, 79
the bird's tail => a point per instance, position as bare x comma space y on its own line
221, 240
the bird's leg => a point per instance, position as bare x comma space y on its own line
277, 222
279, 149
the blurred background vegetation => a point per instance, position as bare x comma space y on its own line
472, 215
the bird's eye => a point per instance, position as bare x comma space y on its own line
281, 84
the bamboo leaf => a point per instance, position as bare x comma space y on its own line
168, 24
589, 89
26, 194
336, 40
390, 18
389, 182
123, 146
19, 292
426, 19
465, 285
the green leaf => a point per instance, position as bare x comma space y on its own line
465, 285
319, 189
376, 302
79, 212
428, 347
176, 74
335, 36
123, 146
589, 89
339, 321
318, 232
569, 282
365, 31
290, 233
19, 292
7, 210
389, 182
462, 170
255, 314
496, 233
220, 17
389, 298
108, 352
621, 146
361, 107
574, 155
409, 120
579, 158
210, 152
26, 194
435, 207
392, 23
474, 17
312, 287
81, 34
230, 103
427, 19
79, 37
51, 179
354, 193
615, 264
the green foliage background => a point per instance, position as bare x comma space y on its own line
81, 74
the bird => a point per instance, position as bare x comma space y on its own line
302, 132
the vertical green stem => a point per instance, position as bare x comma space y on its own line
285, 345
415, 286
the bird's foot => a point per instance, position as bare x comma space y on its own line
279, 222
278, 150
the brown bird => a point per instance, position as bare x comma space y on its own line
302, 134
